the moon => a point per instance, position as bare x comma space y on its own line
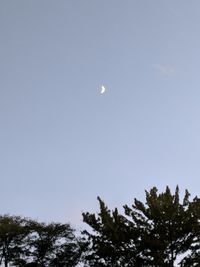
103, 89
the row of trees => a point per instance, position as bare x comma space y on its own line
25, 242
163, 231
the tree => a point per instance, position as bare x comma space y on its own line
150, 234
53, 244
13, 235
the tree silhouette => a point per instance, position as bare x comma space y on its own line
160, 232
25, 242
150, 234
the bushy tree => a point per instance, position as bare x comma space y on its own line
150, 234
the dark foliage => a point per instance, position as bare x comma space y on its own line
29, 243
161, 232
152, 234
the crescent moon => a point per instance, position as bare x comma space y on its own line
103, 89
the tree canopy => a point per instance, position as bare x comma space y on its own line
25, 242
162, 231
156, 233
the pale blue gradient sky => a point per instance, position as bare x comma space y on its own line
61, 142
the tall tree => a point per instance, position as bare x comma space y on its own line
150, 234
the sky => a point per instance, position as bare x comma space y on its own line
62, 143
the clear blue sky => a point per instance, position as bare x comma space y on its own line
61, 142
